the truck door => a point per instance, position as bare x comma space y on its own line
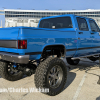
84, 40
95, 35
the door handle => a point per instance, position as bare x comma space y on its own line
80, 32
91, 36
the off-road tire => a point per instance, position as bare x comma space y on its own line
5, 74
42, 72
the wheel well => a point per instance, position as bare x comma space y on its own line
58, 50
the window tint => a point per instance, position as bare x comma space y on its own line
82, 24
60, 22
93, 26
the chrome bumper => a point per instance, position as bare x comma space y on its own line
23, 59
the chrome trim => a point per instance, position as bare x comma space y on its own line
23, 59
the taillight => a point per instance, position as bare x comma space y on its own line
22, 44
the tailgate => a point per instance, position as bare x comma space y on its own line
8, 39
9, 33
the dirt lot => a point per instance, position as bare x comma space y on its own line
81, 85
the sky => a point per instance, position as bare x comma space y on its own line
48, 4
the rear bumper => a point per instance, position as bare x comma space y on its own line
23, 59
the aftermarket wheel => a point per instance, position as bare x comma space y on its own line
51, 74
72, 62
9, 73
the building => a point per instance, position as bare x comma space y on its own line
1, 12
31, 18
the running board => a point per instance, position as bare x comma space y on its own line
97, 55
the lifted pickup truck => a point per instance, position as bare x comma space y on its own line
25, 50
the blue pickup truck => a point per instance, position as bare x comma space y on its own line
27, 50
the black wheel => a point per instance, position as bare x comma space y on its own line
51, 74
9, 73
72, 62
